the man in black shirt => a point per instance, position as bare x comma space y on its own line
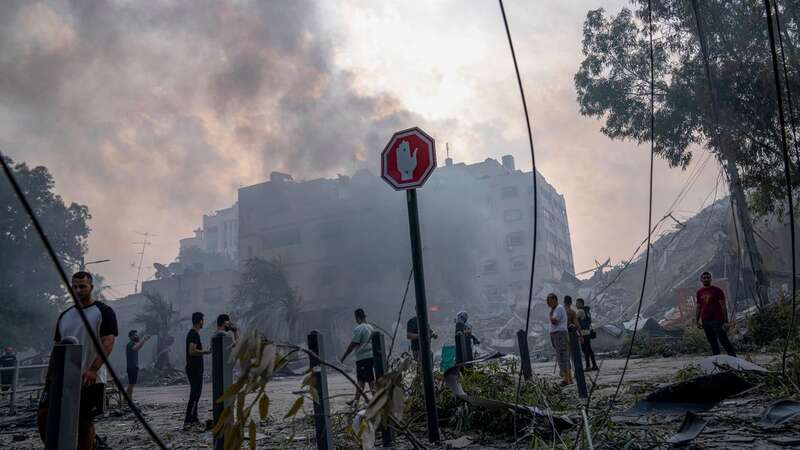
132, 357
412, 334
194, 370
9, 359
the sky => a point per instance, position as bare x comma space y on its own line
154, 113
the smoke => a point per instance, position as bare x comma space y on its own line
152, 113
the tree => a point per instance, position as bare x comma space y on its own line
159, 318
733, 114
31, 292
264, 300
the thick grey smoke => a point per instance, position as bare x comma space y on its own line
155, 112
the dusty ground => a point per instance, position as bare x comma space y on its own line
732, 423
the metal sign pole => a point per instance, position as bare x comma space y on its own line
322, 409
221, 378
422, 316
524, 355
379, 358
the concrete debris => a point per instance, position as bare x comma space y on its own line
462, 442
780, 412
691, 427
698, 394
721, 363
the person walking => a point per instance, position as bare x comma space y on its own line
558, 320
587, 333
194, 371
412, 334
712, 315
8, 360
132, 358
361, 343
103, 324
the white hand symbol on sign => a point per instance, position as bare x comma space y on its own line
406, 161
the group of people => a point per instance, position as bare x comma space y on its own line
563, 319
711, 317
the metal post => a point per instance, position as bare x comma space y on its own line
221, 378
468, 355
577, 361
64, 397
380, 362
422, 316
12, 406
524, 355
322, 410
461, 345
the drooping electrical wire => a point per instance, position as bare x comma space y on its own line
789, 100
64, 279
649, 208
400, 315
787, 175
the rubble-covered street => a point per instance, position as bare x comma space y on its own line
734, 423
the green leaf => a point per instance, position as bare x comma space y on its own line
232, 390
295, 407
221, 422
263, 407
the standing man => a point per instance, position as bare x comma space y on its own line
9, 359
585, 321
225, 326
194, 371
103, 323
132, 358
712, 315
412, 334
362, 344
558, 320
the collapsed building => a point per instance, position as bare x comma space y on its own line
344, 243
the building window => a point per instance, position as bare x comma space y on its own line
509, 192
515, 239
518, 263
282, 238
489, 266
512, 215
491, 291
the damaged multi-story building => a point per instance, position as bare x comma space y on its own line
345, 241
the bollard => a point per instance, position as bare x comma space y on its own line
322, 410
577, 361
380, 362
221, 378
12, 406
64, 397
461, 345
524, 355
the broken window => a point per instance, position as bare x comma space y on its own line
282, 238
512, 215
518, 263
515, 239
489, 266
509, 192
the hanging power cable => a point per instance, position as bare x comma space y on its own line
789, 101
535, 216
399, 316
649, 208
786, 172
95, 341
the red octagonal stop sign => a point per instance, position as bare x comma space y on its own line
408, 159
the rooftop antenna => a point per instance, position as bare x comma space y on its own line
448, 161
144, 243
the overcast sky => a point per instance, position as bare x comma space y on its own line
153, 113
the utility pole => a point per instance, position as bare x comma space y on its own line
84, 263
144, 243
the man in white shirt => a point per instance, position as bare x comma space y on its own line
103, 322
362, 345
559, 338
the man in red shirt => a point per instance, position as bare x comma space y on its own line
712, 315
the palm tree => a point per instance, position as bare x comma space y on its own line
159, 317
264, 300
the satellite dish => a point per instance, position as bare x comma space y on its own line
161, 271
